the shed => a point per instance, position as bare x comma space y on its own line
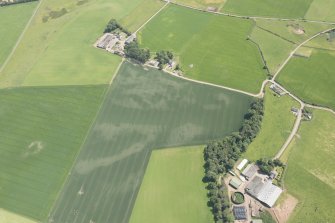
235, 182
240, 212
242, 164
250, 171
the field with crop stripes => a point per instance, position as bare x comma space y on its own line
41, 132
144, 109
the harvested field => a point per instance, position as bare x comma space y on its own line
8, 217
42, 130
208, 46
144, 109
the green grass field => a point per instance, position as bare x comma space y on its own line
202, 4
310, 176
270, 8
288, 29
140, 14
276, 126
58, 50
321, 10
144, 109
274, 48
311, 78
209, 47
42, 130
12, 22
322, 42
172, 189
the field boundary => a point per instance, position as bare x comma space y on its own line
20, 37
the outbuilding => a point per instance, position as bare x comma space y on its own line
240, 212
235, 182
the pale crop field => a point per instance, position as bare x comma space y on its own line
13, 19
143, 110
172, 189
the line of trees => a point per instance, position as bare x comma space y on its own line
114, 25
15, 2
163, 57
132, 50
220, 157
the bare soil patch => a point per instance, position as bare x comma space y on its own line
285, 209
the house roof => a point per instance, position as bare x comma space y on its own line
235, 182
250, 171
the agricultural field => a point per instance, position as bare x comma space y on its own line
310, 174
13, 19
268, 8
172, 189
209, 51
321, 10
202, 4
311, 78
277, 124
42, 129
275, 49
57, 48
8, 217
140, 14
292, 31
324, 41
143, 110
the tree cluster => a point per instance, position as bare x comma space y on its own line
163, 57
114, 25
133, 51
220, 157
268, 165
15, 2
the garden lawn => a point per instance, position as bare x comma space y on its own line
143, 110
312, 79
277, 124
172, 189
12, 22
57, 48
269, 8
310, 176
42, 130
210, 48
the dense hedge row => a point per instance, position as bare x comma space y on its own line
15, 2
220, 157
